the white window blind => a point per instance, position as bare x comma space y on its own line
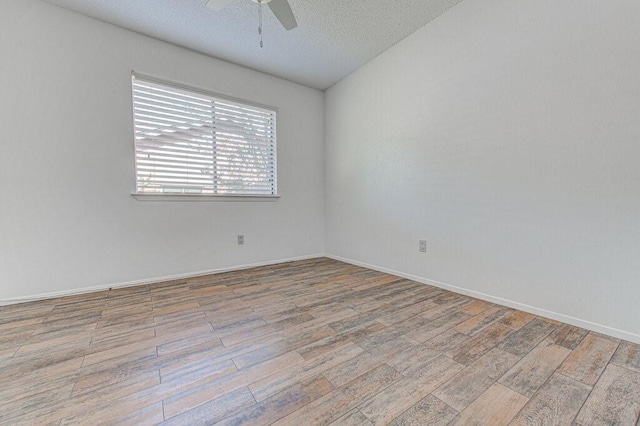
191, 142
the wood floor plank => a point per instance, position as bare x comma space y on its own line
430, 411
147, 416
14, 387
28, 325
473, 325
589, 359
262, 354
415, 357
476, 307
87, 402
557, 403
28, 310
17, 366
532, 371
615, 399
475, 379
75, 341
192, 398
136, 390
407, 312
306, 337
353, 418
8, 353
497, 406
422, 332
175, 323
444, 342
109, 339
218, 353
132, 413
112, 371
283, 379
526, 338
409, 327
400, 396
343, 399
480, 344
196, 370
281, 404
347, 371
180, 341
215, 410
250, 334
48, 398
170, 309
568, 336
628, 356
517, 319
355, 335
142, 345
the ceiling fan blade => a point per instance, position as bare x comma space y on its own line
283, 12
218, 5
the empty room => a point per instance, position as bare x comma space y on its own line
297, 212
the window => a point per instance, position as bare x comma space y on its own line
190, 142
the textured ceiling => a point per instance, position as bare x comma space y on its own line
333, 38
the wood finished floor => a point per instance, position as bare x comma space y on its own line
305, 343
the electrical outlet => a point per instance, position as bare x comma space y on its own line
422, 246
240, 240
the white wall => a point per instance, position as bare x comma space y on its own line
67, 219
507, 134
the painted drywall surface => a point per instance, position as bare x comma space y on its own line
506, 134
67, 219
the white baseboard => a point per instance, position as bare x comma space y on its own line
43, 296
598, 328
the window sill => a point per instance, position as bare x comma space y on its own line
189, 197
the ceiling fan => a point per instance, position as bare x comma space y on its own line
280, 9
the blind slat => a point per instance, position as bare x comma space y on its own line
201, 146
190, 185
202, 158
163, 91
204, 154
206, 170
185, 104
177, 133
150, 124
175, 110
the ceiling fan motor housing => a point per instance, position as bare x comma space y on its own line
280, 9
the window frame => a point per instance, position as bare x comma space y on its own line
151, 196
